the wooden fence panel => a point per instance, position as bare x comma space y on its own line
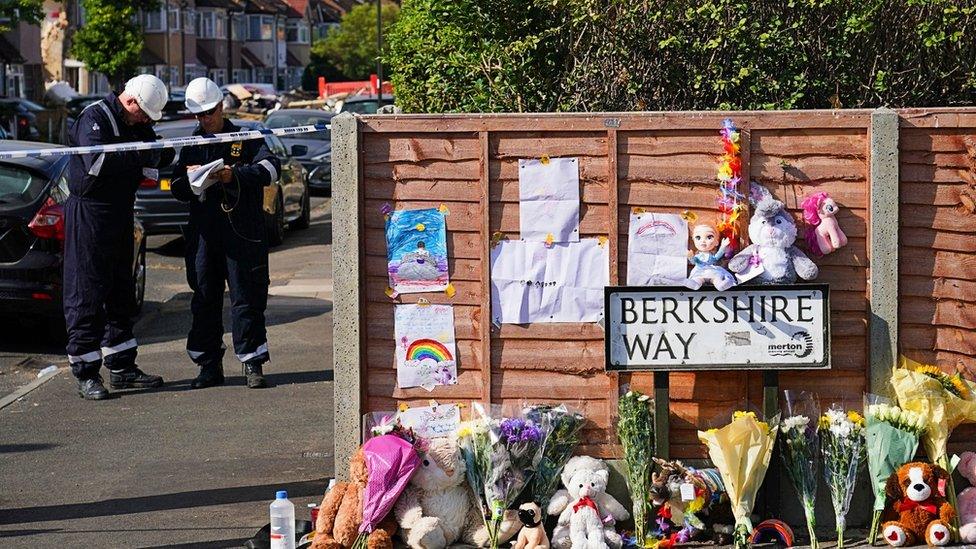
664, 162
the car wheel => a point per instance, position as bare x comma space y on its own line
276, 224
140, 278
305, 217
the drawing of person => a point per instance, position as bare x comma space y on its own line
418, 265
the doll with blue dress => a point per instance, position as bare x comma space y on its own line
707, 261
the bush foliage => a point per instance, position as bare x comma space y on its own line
607, 55
349, 51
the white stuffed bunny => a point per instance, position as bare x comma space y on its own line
772, 232
583, 505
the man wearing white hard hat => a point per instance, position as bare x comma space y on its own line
99, 301
225, 240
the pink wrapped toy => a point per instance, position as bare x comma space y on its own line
824, 235
966, 502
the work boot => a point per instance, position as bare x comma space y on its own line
210, 375
134, 378
92, 388
254, 375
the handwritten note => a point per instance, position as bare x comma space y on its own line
432, 421
657, 249
549, 200
425, 349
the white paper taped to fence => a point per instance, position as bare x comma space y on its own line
176, 142
657, 249
563, 283
549, 201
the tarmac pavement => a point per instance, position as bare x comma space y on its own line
174, 467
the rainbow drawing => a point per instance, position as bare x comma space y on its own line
654, 224
422, 349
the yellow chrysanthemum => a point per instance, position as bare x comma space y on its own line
739, 414
855, 417
823, 423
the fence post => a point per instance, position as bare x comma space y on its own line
346, 308
883, 249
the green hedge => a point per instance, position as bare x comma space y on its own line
606, 55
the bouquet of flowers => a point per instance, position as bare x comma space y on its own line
742, 451
501, 456
892, 440
801, 452
562, 438
391, 462
946, 401
842, 445
635, 429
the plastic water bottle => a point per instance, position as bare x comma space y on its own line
282, 522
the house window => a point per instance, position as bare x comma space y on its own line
220, 26
153, 21
219, 76
174, 19
297, 32
238, 27
242, 75
206, 27
260, 27
190, 22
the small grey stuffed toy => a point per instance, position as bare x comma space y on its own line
772, 232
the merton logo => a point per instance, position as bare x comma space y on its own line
800, 347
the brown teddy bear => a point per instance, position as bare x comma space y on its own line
341, 514
917, 509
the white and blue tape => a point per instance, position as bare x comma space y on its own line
206, 139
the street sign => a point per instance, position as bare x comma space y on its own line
750, 327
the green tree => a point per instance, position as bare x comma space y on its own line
15, 11
111, 40
351, 48
619, 55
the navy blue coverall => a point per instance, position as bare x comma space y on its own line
99, 295
228, 245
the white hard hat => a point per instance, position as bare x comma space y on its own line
202, 94
150, 93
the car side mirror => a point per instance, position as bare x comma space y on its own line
299, 150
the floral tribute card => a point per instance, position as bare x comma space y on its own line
426, 355
440, 420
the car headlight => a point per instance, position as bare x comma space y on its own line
322, 158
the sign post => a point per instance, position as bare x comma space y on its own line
768, 328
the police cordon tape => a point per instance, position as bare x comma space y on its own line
171, 143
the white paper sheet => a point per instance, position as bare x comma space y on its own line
426, 355
563, 283
549, 200
432, 421
657, 249
204, 176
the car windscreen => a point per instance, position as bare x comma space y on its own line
19, 187
287, 120
361, 107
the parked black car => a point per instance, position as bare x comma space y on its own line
288, 204
364, 104
32, 196
318, 157
22, 115
76, 104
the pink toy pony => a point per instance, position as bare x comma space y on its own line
824, 234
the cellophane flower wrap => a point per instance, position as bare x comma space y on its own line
891, 435
800, 447
842, 446
742, 451
562, 438
391, 462
501, 455
945, 400
635, 429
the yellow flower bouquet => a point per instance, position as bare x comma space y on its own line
741, 451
